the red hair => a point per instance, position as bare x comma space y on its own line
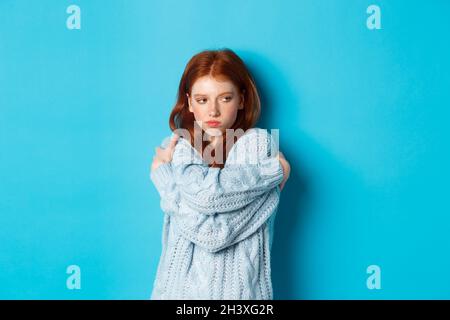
218, 64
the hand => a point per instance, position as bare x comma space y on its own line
164, 155
286, 170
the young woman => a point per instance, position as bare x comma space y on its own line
219, 179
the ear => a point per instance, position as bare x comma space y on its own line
189, 103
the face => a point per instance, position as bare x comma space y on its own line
214, 100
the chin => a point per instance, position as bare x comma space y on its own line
214, 131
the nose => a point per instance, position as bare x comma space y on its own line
214, 110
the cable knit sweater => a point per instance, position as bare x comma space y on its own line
218, 223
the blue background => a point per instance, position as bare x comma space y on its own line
363, 118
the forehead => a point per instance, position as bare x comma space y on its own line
210, 85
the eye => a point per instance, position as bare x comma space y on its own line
227, 98
201, 101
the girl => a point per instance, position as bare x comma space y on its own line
219, 180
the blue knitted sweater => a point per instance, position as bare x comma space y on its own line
218, 223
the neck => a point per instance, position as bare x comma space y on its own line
214, 140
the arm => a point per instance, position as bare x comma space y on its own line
162, 177
163, 180
217, 231
248, 195
213, 190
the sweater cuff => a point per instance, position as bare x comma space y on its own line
271, 170
161, 176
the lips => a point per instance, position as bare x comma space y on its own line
213, 123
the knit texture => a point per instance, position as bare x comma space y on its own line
218, 223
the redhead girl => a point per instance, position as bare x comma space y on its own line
220, 180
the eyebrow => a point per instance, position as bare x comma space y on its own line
200, 94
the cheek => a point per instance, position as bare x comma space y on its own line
199, 114
230, 116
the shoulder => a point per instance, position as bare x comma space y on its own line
263, 141
182, 151
254, 145
185, 153
258, 132
182, 143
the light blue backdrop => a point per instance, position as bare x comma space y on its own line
363, 117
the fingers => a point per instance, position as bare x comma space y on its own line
165, 155
284, 162
286, 170
173, 141
155, 162
283, 182
158, 152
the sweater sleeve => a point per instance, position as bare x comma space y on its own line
164, 182
162, 178
214, 190
218, 231
212, 232
220, 207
